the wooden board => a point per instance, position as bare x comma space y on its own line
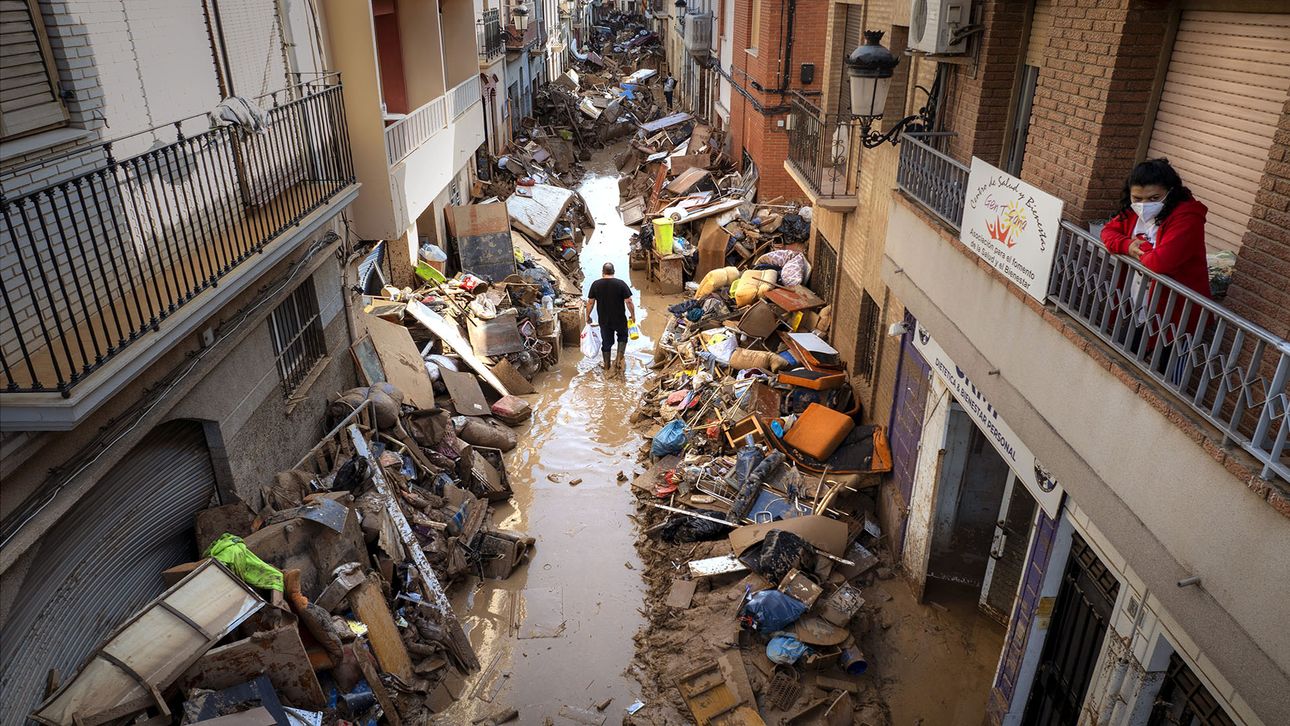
277, 653
448, 333
712, 248
368, 603
507, 373
467, 397
402, 362
681, 593
483, 234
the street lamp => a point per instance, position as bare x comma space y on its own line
870, 68
520, 18
680, 5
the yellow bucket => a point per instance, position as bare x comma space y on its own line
663, 235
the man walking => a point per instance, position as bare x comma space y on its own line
669, 85
613, 299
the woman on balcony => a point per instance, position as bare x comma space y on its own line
1161, 225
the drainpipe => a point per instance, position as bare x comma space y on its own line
1113, 691
787, 75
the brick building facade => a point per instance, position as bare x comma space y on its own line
764, 71
1068, 96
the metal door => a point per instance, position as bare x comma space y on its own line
1008, 551
1184, 700
103, 560
1074, 640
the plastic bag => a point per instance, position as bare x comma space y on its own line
767, 611
785, 649
681, 528
590, 341
254, 571
669, 440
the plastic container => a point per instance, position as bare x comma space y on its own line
633, 330
433, 255
663, 235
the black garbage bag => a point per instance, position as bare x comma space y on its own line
778, 553
681, 528
794, 228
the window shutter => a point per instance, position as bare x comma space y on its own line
28, 87
1224, 94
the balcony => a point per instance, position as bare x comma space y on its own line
488, 36
414, 130
102, 270
698, 33
1233, 374
820, 157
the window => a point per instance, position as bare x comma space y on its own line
754, 33
1020, 123
29, 94
298, 341
823, 268
867, 336
1183, 699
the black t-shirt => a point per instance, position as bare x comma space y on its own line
610, 295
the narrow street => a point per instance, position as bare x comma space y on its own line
559, 633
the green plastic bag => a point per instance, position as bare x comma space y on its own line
231, 552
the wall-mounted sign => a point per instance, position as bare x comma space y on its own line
1011, 225
1041, 485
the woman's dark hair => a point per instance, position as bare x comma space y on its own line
1155, 171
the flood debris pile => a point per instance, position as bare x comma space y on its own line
758, 507
325, 601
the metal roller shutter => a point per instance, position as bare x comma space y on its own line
28, 87
1229, 76
1041, 29
102, 561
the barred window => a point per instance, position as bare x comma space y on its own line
298, 342
867, 336
823, 267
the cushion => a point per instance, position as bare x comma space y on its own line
819, 431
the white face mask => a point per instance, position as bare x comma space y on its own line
1147, 211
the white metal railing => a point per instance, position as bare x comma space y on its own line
408, 133
465, 94
1233, 373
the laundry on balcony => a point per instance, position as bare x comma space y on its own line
242, 113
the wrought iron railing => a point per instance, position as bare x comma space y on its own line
408, 133
932, 176
488, 35
1235, 374
90, 264
1232, 373
819, 147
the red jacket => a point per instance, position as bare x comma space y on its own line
1179, 253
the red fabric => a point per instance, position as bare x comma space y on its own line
1179, 252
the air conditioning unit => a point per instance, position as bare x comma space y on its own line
698, 33
933, 25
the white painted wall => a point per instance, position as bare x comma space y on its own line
1158, 497
426, 172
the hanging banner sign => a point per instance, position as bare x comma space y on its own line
1014, 451
1011, 225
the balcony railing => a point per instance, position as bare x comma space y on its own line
932, 177
488, 35
819, 147
408, 133
92, 263
1235, 374
1231, 372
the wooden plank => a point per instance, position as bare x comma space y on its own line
467, 397
368, 603
507, 374
374, 682
712, 248
278, 654
483, 234
449, 334
736, 676
403, 365
681, 593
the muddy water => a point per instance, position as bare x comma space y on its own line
557, 635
